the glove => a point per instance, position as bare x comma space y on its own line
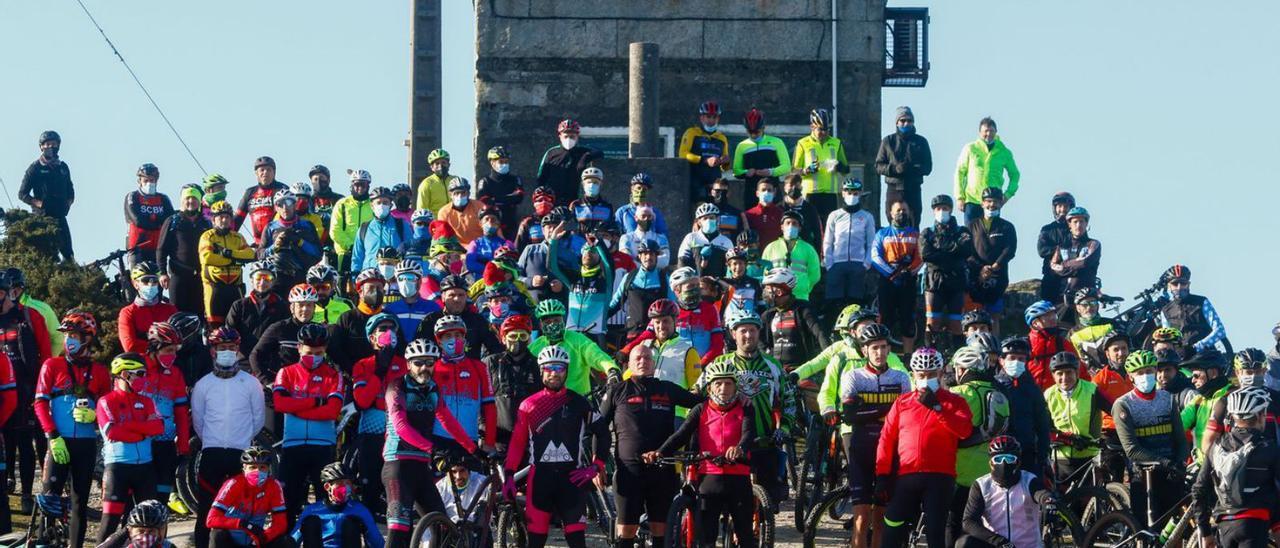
58, 448
793, 377
928, 398
1003, 543
84, 415
831, 418
883, 488
614, 376
848, 414
225, 253
811, 168
319, 401
509, 488
584, 475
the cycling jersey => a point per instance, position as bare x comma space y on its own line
1086, 338
1149, 428
1045, 344
803, 260
303, 242
745, 293
561, 170
331, 519
590, 213
45, 313
589, 293
412, 410
311, 400
766, 220
701, 327
368, 390
626, 218
713, 428
1110, 384
824, 361
918, 439
766, 152
848, 237
258, 205
145, 214
870, 391
470, 496
994, 512
323, 203
60, 386
792, 333
215, 267
464, 387
1219, 422
128, 421
374, 235
696, 145
329, 312
895, 253
240, 502
1237, 481
348, 215
675, 361
1196, 318
465, 220
433, 193
167, 389
227, 413
983, 166
1076, 413
584, 357
135, 320
642, 413
636, 290
550, 430
815, 154
480, 251
514, 377
762, 381
1196, 416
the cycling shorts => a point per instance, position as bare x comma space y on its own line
550, 493
948, 305
639, 489
410, 485
861, 454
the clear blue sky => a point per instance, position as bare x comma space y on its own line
1160, 116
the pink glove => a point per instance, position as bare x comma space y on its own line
509, 489
584, 475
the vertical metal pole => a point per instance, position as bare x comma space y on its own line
642, 108
424, 95
835, 108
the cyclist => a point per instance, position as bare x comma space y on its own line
464, 387
1192, 315
291, 240
1212, 384
1052, 236
214, 187
586, 356
177, 250
975, 321
1170, 378
764, 382
1151, 434
462, 214
848, 324
369, 379
790, 251
414, 405
309, 394
628, 215
995, 241
303, 191
792, 330
562, 165
916, 453
639, 288
1029, 420
549, 431
1090, 327
590, 284
148, 307
720, 427
324, 198
337, 520
350, 343
348, 215
675, 358
706, 149
642, 412
223, 403
866, 389
39, 310
820, 156
945, 248
145, 210
250, 508
165, 384
1251, 372
1076, 406
794, 200
904, 159
1112, 381
25, 341
1002, 508
418, 247
530, 231
431, 190
513, 373
453, 297
145, 527
706, 240
460, 488
251, 315
47, 188
1047, 339
1076, 258
383, 230
278, 346
895, 254
65, 399
759, 156
990, 408
129, 422
256, 204
222, 252
411, 308
1236, 487
744, 291
1169, 338
324, 279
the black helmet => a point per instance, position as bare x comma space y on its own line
148, 170
49, 135
6, 281
1176, 272
1209, 358
821, 118
975, 317
187, 324
16, 277
256, 455
1004, 445
1064, 360
993, 192
1064, 198
453, 281
334, 471
872, 332
1112, 337
941, 200
1015, 345
380, 192
313, 334
387, 253
148, 513
318, 169
746, 238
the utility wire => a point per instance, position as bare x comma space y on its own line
142, 87
6, 194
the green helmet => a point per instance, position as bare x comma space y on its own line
845, 319
549, 307
437, 154
1140, 359
212, 180
720, 369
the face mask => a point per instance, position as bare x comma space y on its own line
499, 309
645, 224
388, 271
710, 226
311, 361
407, 287
794, 193
638, 196
421, 232
503, 169
149, 292
381, 210
386, 339
541, 209
942, 216
900, 220
1145, 383
791, 232
50, 153
257, 477
1250, 379
690, 297
215, 197
226, 358
932, 383
454, 348
718, 196
722, 400
554, 331
441, 170
1179, 294
709, 129
72, 345
591, 189
1006, 474
149, 189
906, 130
167, 360
991, 213
402, 202
372, 299
1014, 368
851, 199
460, 202
490, 230
340, 494
568, 142
766, 198
148, 539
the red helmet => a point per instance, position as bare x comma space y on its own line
162, 334
223, 334
754, 120
79, 321
519, 322
568, 126
709, 108
663, 307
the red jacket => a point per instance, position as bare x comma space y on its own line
8, 389
239, 500
368, 390
766, 221
1044, 345
167, 388
916, 439
56, 391
135, 320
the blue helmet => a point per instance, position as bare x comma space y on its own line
1037, 309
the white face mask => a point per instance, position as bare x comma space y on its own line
1014, 368
227, 358
407, 287
991, 213
149, 189
460, 202
381, 210
942, 216
851, 200
568, 142
1144, 383
1251, 379
503, 169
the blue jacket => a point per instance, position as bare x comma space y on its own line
331, 519
626, 218
1029, 420
481, 250
377, 234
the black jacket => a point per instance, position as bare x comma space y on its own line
277, 348
992, 246
561, 170
1252, 487
1051, 236
904, 159
479, 335
642, 412
792, 335
1029, 419
513, 379
50, 184
946, 248
179, 248
506, 192
251, 316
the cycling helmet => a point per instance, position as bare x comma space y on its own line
1064, 360
1250, 358
706, 210
17, 278
1037, 309
223, 334
873, 332
852, 183
993, 193
820, 118
437, 154
1078, 211
746, 238
449, 323
983, 342
548, 308
682, 276
49, 135
1209, 358
709, 108
1015, 345
1176, 272
663, 307
148, 170
975, 317
970, 358
256, 455
1140, 359
642, 178
161, 334
553, 354
754, 120
720, 369
941, 200
453, 281
313, 334
734, 254
220, 207
1167, 334
6, 283
318, 169
334, 471
303, 293
780, 276
926, 359
409, 266
517, 322
490, 211
568, 126
380, 192
1112, 337
188, 324
79, 321
546, 194
143, 269
129, 361
150, 514
264, 161
593, 172
301, 188
867, 313
212, 180
371, 275
1248, 401
283, 195
1004, 445
387, 254
401, 187
421, 348
738, 316
1087, 294
1064, 198
498, 153
422, 215
382, 317
321, 273
1167, 356
457, 184
845, 319
505, 253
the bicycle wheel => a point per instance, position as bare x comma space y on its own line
601, 514
1119, 495
762, 523
682, 531
808, 479
511, 531
436, 530
1061, 529
831, 521
1114, 529
1089, 504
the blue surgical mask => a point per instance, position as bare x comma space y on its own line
407, 287
503, 169
421, 232
1144, 383
906, 130
454, 348
149, 292
490, 230
459, 202
710, 226
791, 232
766, 197
72, 345
591, 189
1014, 368
932, 384
991, 213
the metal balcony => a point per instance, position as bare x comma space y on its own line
906, 47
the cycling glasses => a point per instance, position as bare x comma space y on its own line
1004, 459
518, 336
555, 367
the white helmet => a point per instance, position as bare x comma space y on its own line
683, 275
970, 358
282, 195
593, 172
780, 276
359, 175
421, 348
706, 210
1248, 401
553, 354
301, 188
926, 359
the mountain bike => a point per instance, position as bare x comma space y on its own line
475, 523
683, 518
1122, 529
820, 468
1085, 491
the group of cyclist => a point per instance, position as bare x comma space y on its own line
434, 336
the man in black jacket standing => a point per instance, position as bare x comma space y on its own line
995, 241
513, 374
178, 252
47, 188
503, 189
562, 165
903, 160
1051, 236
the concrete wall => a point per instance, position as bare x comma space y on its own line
539, 61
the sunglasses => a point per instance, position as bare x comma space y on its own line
518, 336
555, 368
1004, 459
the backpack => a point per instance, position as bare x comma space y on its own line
990, 408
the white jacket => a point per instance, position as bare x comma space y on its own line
848, 238
228, 413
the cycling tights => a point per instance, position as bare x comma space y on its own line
123, 484
185, 291
23, 446
719, 494
218, 298
911, 493
313, 532
84, 454
370, 471
215, 466
164, 459
300, 467
410, 485
549, 491
224, 538
1243, 533
766, 466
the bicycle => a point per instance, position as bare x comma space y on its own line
1059, 528
820, 469
50, 525
1085, 491
1121, 528
475, 522
683, 517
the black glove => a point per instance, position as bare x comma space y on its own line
884, 486
928, 398
225, 253
382, 361
614, 376
1003, 543
793, 377
319, 401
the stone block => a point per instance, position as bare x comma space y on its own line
675, 39
684, 9
559, 38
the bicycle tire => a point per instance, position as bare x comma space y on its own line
682, 520
1112, 530
1119, 495
808, 478
1070, 525
604, 518
763, 517
1088, 504
511, 528
821, 522
445, 532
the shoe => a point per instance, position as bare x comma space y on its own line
177, 505
28, 504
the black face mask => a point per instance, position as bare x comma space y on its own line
1006, 475
50, 154
718, 196
900, 220
361, 196
402, 202
794, 193
372, 299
